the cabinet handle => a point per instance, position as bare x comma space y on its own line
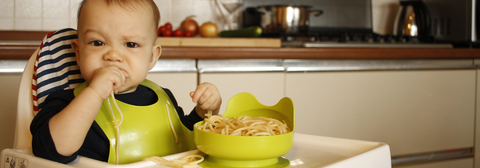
432, 156
241, 69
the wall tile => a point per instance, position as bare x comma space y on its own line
7, 23
73, 23
56, 9
74, 5
7, 8
204, 11
36, 14
55, 24
165, 8
28, 24
207, 11
187, 8
28, 9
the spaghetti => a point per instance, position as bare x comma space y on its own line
117, 125
244, 126
184, 162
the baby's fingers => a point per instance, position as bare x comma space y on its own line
199, 92
210, 104
118, 81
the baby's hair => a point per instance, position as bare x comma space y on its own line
130, 4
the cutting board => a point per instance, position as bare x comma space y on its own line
218, 42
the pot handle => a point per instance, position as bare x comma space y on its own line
316, 12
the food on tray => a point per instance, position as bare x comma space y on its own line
183, 162
244, 126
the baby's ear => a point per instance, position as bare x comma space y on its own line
75, 48
156, 52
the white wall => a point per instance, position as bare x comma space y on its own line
50, 15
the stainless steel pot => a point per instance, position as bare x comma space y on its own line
286, 19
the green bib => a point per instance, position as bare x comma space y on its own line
145, 130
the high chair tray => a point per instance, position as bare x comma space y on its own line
308, 151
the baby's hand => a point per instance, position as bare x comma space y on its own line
207, 98
108, 79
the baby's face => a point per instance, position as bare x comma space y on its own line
115, 36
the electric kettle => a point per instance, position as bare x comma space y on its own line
413, 20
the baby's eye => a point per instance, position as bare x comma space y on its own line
97, 43
131, 44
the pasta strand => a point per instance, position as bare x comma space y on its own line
244, 126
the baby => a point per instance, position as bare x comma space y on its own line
115, 50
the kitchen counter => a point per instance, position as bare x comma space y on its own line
21, 44
25, 51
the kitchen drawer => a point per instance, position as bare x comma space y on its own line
178, 75
267, 87
180, 83
264, 78
412, 111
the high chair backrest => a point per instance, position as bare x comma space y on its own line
53, 66
23, 137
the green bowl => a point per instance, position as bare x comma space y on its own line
248, 151
242, 151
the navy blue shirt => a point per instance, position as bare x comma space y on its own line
96, 144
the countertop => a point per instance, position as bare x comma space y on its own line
25, 51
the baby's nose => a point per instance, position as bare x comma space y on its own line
113, 55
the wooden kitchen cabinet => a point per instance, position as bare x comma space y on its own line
180, 83
477, 118
8, 107
412, 111
178, 75
264, 78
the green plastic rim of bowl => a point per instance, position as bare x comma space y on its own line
245, 104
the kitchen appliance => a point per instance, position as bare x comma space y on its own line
455, 22
413, 20
342, 24
283, 19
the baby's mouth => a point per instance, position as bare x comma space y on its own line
125, 73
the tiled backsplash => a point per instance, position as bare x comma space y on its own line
50, 15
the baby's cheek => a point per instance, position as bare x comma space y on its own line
88, 75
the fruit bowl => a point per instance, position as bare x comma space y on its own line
248, 151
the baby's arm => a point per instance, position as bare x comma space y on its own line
207, 98
69, 127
